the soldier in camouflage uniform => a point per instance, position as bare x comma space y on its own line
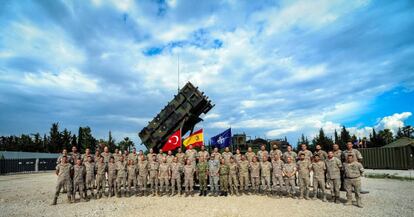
237, 156
351, 151
150, 155
176, 171
290, 153
189, 170
226, 155
86, 155
277, 175
265, 169
244, 174
132, 177
250, 154
353, 172
180, 156
203, 153
63, 171
304, 150
191, 155
164, 174
106, 155
304, 172
121, 175
153, 175
78, 180
169, 157
59, 159
160, 156
133, 156
318, 167
262, 153
202, 173
233, 178
116, 155
142, 175
224, 170
112, 176
217, 154
321, 153
90, 176
74, 155
275, 151
337, 152
255, 175
213, 167
289, 173
333, 167
100, 176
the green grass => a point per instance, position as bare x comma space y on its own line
388, 176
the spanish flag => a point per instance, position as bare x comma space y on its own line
195, 139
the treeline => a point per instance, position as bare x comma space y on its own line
383, 137
57, 140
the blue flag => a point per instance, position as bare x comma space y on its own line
221, 140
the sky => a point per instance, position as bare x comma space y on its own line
272, 68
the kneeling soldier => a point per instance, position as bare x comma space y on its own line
64, 172
353, 171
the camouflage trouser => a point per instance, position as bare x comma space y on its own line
61, 183
202, 180
164, 183
290, 185
90, 182
142, 182
224, 183
120, 183
318, 183
233, 183
304, 185
78, 187
153, 180
188, 183
335, 186
353, 183
277, 179
266, 183
244, 181
132, 181
100, 183
255, 183
112, 184
214, 181
176, 184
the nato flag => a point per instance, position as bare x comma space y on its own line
221, 140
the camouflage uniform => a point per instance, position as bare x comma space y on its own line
233, 179
74, 157
160, 157
290, 168
106, 157
85, 158
133, 157
142, 175
319, 169
188, 178
237, 158
261, 154
191, 155
169, 159
132, 178
226, 156
250, 156
303, 171
277, 175
202, 170
265, 168
290, 154
203, 154
100, 178
64, 179
255, 175
164, 176
149, 157
90, 177
353, 172
121, 175
213, 166
78, 181
224, 178
338, 154
244, 175
333, 167
112, 178
274, 152
176, 171
180, 158
217, 156
308, 154
357, 155
153, 176
322, 154
116, 156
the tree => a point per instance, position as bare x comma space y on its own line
302, 140
38, 143
55, 144
66, 139
385, 136
85, 139
345, 137
74, 141
400, 133
322, 140
126, 144
111, 143
336, 137
408, 131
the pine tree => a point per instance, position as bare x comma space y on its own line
55, 144
336, 137
74, 141
345, 137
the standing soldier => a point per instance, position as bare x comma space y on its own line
164, 174
150, 155
74, 155
100, 176
303, 171
140, 154
86, 155
213, 167
59, 160
277, 174
176, 171
132, 177
217, 154
224, 177
142, 175
106, 155
180, 156
78, 180
160, 156
121, 173
350, 151
189, 177
238, 156
203, 153
170, 157
153, 175
112, 176
275, 151
353, 172
90, 176
202, 173
244, 174
265, 168
321, 153
96, 156
318, 167
117, 155
250, 154
334, 166
227, 155
304, 150
133, 156
64, 172
290, 153
233, 179
262, 153
255, 175
289, 172
191, 155
337, 152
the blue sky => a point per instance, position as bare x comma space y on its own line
273, 68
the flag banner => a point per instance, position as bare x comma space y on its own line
173, 142
221, 140
196, 139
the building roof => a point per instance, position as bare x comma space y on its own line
25, 155
402, 142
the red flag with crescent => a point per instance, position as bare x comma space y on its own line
173, 142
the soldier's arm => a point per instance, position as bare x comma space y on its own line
57, 170
361, 169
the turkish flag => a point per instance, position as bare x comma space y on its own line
173, 142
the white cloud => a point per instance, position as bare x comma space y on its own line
394, 121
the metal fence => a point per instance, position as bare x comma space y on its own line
26, 165
400, 158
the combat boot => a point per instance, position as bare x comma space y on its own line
348, 202
205, 193
73, 198
54, 201
337, 200
225, 193
323, 197
201, 193
359, 203
307, 195
301, 196
315, 196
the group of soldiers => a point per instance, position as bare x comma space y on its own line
272, 173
